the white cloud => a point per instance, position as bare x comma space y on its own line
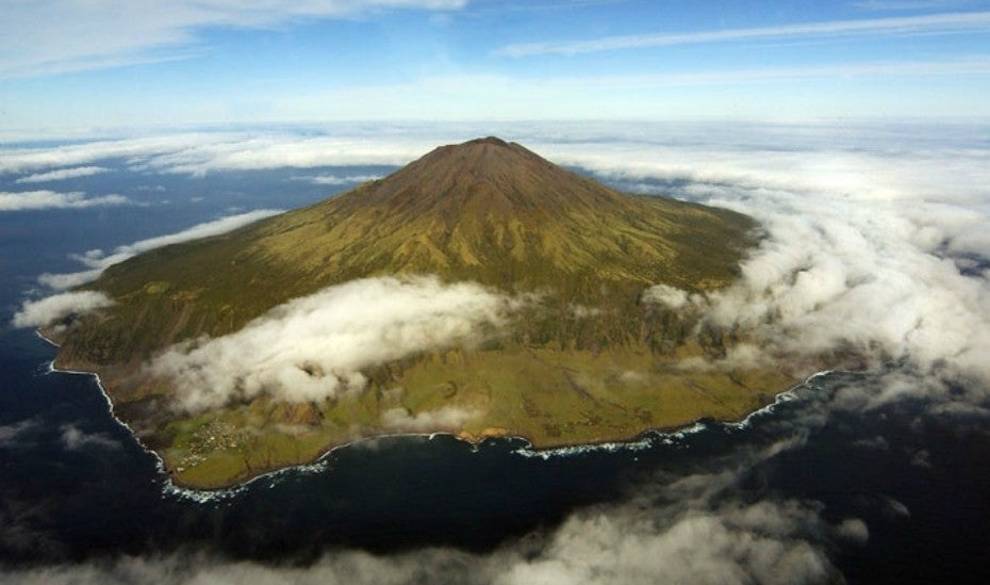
62, 174
945, 23
856, 274
55, 36
32, 200
673, 298
449, 418
200, 153
313, 347
341, 179
50, 309
289, 151
871, 246
98, 262
16, 160
814, 155
11, 432
73, 438
853, 529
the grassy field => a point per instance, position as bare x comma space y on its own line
552, 398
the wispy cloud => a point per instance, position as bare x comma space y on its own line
33, 200
896, 5
18, 160
200, 153
12, 431
337, 180
55, 36
954, 22
62, 174
97, 261
74, 438
979, 65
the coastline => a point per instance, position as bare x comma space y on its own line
642, 440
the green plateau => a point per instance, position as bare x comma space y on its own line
590, 362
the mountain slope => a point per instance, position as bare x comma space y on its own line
587, 362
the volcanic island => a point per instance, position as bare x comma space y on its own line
580, 353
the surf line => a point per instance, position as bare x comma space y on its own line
669, 437
169, 487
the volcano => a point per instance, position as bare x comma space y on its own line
582, 359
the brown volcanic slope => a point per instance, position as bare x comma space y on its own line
588, 363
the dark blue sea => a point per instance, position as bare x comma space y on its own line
76, 487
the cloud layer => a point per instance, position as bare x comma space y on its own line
33, 200
62, 174
200, 153
97, 261
444, 418
50, 309
341, 180
879, 254
314, 347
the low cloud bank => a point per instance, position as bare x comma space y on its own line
32, 200
341, 180
97, 261
62, 174
871, 247
314, 347
881, 279
50, 309
200, 153
902, 281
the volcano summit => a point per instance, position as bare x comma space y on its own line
480, 290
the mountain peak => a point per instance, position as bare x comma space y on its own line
494, 140
488, 175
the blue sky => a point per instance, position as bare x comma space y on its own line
70, 64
